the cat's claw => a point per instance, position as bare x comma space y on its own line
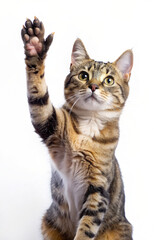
33, 38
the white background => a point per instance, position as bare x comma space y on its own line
107, 28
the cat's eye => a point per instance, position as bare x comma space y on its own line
83, 76
109, 81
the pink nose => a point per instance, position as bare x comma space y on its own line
93, 87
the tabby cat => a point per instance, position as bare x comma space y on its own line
81, 136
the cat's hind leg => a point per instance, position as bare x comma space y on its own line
121, 231
51, 233
56, 222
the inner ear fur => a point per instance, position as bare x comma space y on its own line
125, 63
79, 53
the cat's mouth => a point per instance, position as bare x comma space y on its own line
92, 97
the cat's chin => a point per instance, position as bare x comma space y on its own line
90, 104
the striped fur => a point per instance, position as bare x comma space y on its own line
81, 136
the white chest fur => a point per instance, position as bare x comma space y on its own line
93, 124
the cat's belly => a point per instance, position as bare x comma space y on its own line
74, 194
74, 183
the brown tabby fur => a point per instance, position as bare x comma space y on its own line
81, 136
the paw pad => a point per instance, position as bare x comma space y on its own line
33, 38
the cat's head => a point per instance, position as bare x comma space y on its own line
96, 86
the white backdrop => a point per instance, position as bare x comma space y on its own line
107, 28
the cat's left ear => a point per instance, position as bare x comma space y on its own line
125, 63
79, 53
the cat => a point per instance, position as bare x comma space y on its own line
81, 137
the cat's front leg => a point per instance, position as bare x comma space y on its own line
42, 112
92, 214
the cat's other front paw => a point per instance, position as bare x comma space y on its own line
33, 38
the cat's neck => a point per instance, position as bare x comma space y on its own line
92, 123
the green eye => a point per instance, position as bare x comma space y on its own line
83, 76
109, 81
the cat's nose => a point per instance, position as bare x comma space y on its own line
93, 87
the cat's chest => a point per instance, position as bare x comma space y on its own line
91, 126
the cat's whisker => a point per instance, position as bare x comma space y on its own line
74, 104
82, 92
71, 99
72, 96
103, 97
71, 102
82, 89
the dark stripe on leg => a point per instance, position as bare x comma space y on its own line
97, 221
88, 212
48, 128
39, 101
89, 234
102, 210
92, 189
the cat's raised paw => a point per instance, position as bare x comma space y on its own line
33, 38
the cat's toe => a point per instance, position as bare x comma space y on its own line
38, 28
24, 34
36, 22
28, 23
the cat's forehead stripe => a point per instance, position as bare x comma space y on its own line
89, 68
107, 71
96, 65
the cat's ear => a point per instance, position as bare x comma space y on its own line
125, 63
79, 53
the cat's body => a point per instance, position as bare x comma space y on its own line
87, 188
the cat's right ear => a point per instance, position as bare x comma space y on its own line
125, 63
79, 53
